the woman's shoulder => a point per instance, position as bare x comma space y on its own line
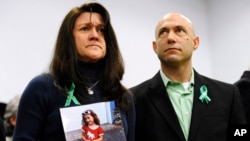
42, 80
44, 77
41, 89
40, 84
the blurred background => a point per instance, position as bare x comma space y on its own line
28, 31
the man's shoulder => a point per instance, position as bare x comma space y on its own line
148, 84
212, 82
141, 85
244, 79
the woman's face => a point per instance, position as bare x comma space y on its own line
89, 37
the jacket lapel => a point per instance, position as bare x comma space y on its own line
162, 103
198, 107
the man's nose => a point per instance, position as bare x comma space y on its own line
171, 37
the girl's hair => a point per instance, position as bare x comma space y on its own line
64, 65
93, 114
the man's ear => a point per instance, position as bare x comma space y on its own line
154, 46
196, 42
12, 120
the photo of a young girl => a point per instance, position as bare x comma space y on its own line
101, 121
91, 128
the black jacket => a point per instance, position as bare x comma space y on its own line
244, 86
156, 119
38, 115
2, 133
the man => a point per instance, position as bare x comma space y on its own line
2, 131
178, 104
244, 86
10, 117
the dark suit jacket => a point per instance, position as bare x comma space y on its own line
156, 119
2, 133
244, 86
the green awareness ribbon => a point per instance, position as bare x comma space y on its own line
204, 97
71, 96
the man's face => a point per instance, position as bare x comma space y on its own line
175, 40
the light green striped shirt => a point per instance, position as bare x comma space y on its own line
181, 96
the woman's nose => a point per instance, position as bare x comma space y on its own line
94, 34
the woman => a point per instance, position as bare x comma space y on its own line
87, 67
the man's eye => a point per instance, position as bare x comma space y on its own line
162, 32
179, 30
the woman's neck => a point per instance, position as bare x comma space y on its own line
90, 70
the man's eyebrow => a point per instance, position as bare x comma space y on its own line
162, 29
180, 26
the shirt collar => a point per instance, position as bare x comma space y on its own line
166, 80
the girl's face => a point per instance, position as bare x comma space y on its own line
89, 119
89, 37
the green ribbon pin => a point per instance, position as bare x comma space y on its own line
204, 97
71, 96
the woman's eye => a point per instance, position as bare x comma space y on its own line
84, 28
101, 30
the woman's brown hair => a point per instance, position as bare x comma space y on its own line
64, 66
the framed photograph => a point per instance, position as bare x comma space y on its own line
92, 121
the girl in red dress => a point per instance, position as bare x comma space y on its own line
91, 129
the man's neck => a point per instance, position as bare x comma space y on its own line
178, 74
